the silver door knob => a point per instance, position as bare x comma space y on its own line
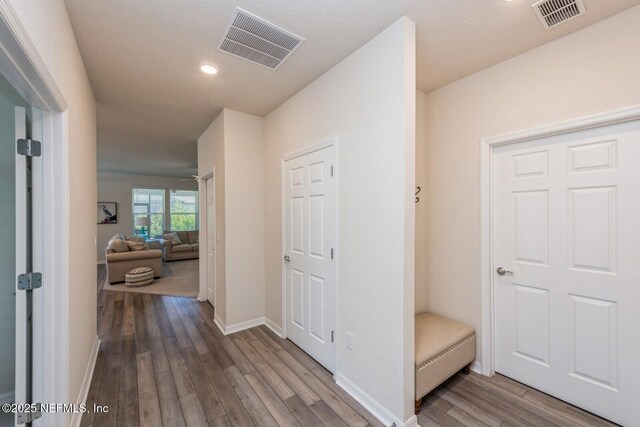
286, 258
502, 272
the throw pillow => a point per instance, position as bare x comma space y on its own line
173, 238
136, 239
137, 246
118, 245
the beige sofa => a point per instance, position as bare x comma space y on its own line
188, 248
442, 348
121, 259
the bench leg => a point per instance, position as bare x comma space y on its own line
418, 405
467, 369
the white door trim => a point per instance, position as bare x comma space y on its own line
24, 68
202, 236
203, 211
333, 142
22, 65
487, 147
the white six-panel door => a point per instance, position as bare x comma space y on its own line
309, 233
567, 224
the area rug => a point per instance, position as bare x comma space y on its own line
179, 278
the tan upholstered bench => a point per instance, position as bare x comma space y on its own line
141, 276
443, 347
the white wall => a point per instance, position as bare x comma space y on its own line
244, 205
117, 187
421, 206
368, 103
593, 70
48, 26
211, 161
233, 147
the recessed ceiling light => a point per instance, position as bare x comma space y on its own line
208, 68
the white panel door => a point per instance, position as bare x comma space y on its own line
309, 233
567, 224
211, 241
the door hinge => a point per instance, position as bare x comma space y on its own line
29, 417
331, 253
29, 147
29, 281
331, 336
331, 170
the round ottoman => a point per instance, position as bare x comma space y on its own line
141, 276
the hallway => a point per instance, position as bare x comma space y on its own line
163, 361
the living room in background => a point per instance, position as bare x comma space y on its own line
148, 211
183, 210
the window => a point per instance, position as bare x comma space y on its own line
183, 210
148, 212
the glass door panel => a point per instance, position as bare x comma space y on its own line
15, 258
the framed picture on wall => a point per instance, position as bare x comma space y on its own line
107, 213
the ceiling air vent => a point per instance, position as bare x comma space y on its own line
555, 12
256, 40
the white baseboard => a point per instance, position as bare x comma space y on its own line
86, 382
219, 323
236, 327
371, 405
8, 398
241, 326
476, 367
412, 422
275, 328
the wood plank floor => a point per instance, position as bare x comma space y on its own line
163, 362
475, 400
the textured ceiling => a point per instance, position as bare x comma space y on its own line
142, 58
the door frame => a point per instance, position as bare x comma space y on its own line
24, 68
487, 147
332, 142
203, 294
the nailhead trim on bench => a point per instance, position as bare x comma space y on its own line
450, 349
436, 386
